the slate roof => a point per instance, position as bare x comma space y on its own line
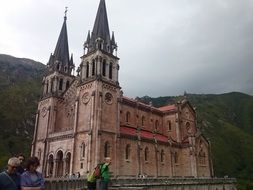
61, 53
101, 31
101, 26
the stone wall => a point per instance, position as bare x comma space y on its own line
149, 184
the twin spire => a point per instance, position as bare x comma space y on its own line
61, 51
100, 35
60, 61
99, 39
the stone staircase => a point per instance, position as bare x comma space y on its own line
127, 188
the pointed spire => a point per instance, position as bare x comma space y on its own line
71, 58
86, 44
50, 59
100, 35
101, 26
60, 59
113, 39
88, 37
61, 51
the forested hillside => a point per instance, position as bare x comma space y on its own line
20, 83
226, 119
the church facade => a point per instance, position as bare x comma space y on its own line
83, 119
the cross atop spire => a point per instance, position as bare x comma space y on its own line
65, 13
100, 35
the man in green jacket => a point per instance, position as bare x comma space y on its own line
105, 177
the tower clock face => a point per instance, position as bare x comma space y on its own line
108, 98
85, 98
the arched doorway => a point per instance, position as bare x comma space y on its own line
59, 164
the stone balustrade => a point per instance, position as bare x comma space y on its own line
65, 184
179, 183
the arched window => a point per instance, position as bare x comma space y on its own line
67, 161
99, 45
59, 162
104, 68
128, 152
169, 125
61, 84
128, 117
162, 156
39, 154
50, 165
47, 88
156, 125
106, 149
67, 84
200, 144
146, 154
87, 70
93, 67
82, 150
142, 121
51, 85
58, 66
202, 157
187, 125
110, 71
175, 158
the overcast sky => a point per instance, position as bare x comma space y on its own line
166, 47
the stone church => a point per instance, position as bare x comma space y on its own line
83, 119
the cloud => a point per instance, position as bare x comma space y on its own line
165, 46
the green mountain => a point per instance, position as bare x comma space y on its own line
20, 83
226, 119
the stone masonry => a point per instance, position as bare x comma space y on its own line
83, 119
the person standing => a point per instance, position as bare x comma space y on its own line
91, 181
105, 177
32, 179
20, 168
10, 179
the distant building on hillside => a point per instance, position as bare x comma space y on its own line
83, 119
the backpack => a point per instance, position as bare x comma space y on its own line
98, 170
91, 178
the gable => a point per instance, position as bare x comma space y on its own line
188, 111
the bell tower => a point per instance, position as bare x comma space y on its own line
59, 68
99, 91
51, 118
100, 61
